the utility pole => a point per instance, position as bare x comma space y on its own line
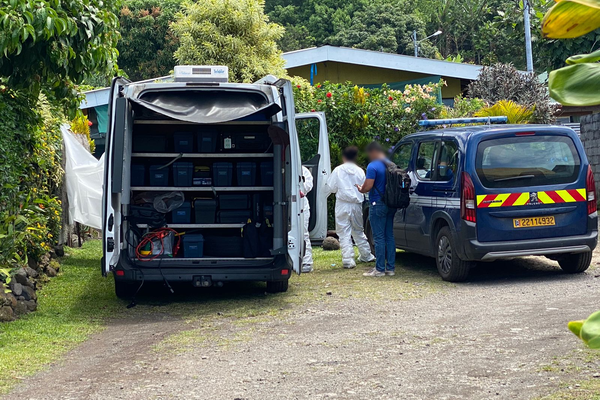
528, 54
416, 43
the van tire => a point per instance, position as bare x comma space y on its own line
277, 286
450, 267
124, 290
575, 263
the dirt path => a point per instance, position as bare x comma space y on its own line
493, 338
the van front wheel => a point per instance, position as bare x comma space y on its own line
575, 263
277, 286
449, 265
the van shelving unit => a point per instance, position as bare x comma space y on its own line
168, 128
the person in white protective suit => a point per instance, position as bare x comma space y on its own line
307, 185
348, 208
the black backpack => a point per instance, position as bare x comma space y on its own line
250, 240
397, 184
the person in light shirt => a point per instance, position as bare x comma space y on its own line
348, 208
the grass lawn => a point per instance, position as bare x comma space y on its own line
71, 306
585, 390
583, 364
79, 302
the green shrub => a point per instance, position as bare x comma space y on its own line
30, 177
505, 82
357, 115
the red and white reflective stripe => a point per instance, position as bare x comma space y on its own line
526, 198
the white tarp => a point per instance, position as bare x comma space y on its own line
84, 176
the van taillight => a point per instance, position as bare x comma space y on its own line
467, 199
591, 191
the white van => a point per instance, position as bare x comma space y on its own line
194, 164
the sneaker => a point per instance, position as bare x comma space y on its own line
349, 266
374, 272
390, 273
307, 268
370, 259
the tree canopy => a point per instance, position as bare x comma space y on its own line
147, 45
53, 44
235, 33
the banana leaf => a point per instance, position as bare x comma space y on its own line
571, 18
576, 85
588, 330
584, 58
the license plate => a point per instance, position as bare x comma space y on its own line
531, 222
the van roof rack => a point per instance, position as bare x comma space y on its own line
454, 121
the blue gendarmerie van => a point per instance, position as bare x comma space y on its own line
487, 192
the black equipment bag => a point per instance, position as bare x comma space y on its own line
397, 185
251, 243
146, 214
265, 238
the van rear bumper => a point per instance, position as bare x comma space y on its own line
276, 269
474, 250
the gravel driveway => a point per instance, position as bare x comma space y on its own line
500, 336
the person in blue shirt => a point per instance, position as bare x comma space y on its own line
380, 216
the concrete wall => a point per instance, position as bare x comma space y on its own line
590, 137
364, 75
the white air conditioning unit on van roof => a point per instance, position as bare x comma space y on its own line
201, 73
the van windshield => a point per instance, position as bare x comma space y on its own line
527, 161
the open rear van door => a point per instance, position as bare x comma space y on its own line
119, 116
319, 165
295, 241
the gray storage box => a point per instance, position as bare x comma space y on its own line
205, 211
222, 174
234, 216
159, 175
246, 173
184, 142
234, 202
183, 173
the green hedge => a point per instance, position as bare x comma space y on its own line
30, 177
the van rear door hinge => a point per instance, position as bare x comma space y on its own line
110, 244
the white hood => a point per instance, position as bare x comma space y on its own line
343, 181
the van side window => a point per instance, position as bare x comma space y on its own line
425, 157
446, 168
402, 155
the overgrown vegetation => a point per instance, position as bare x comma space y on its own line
147, 43
233, 33
46, 48
51, 45
576, 84
515, 113
357, 115
30, 176
505, 82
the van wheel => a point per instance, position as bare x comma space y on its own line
449, 265
277, 286
575, 263
124, 290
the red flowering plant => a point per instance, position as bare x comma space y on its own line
357, 115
